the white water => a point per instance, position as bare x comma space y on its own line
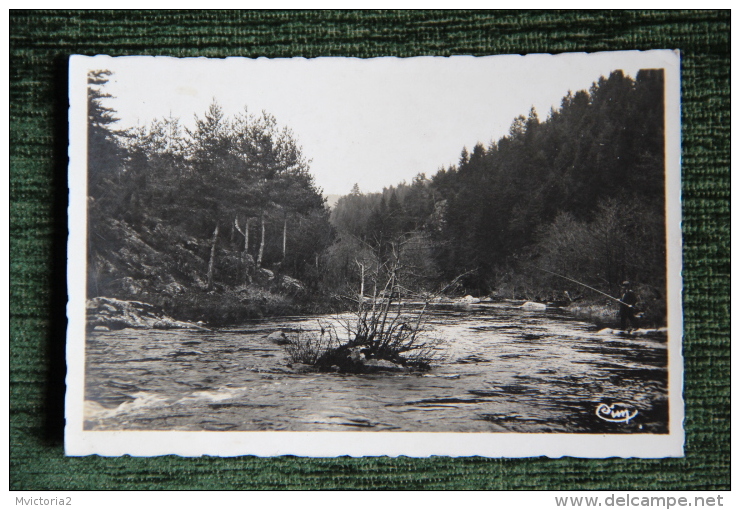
504, 369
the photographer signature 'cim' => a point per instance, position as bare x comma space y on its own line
617, 412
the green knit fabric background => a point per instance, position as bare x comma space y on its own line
40, 44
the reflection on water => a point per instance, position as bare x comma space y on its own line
504, 370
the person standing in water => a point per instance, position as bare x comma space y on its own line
627, 307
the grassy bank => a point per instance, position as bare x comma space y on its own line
232, 306
651, 315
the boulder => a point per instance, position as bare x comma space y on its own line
441, 299
384, 365
113, 314
532, 305
291, 284
467, 300
650, 332
278, 337
659, 332
174, 289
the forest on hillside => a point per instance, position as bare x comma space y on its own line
224, 221
191, 219
580, 194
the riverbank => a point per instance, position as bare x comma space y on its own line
599, 313
110, 314
233, 306
607, 315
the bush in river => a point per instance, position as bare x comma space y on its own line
400, 344
379, 329
308, 347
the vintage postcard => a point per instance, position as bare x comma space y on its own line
393, 256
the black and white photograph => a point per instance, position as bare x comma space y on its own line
390, 256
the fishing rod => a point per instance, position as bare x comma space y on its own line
584, 285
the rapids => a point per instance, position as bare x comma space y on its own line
502, 369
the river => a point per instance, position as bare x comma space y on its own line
503, 369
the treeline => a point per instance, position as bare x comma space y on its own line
226, 216
580, 194
178, 214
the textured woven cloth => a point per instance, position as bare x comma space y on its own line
40, 44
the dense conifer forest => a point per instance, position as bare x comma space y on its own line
224, 222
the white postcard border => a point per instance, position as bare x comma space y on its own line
330, 444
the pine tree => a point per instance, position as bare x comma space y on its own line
104, 154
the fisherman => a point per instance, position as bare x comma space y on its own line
627, 310
627, 307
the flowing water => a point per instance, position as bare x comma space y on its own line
504, 369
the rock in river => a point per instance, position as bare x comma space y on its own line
655, 333
384, 365
532, 305
467, 300
278, 337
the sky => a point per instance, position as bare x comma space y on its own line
374, 122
